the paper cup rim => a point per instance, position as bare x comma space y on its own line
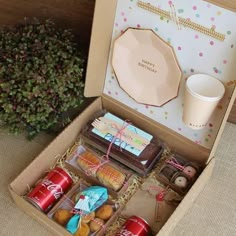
206, 98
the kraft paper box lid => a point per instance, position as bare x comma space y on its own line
99, 64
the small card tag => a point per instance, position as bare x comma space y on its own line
83, 204
140, 138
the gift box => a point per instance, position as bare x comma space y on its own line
164, 122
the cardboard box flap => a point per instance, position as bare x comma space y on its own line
227, 4
107, 26
99, 47
213, 150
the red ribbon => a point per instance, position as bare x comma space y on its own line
175, 163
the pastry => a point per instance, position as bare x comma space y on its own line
110, 177
62, 216
96, 224
167, 172
87, 218
104, 212
190, 171
181, 182
87, 161
83, 230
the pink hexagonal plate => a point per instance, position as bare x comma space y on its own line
146, 67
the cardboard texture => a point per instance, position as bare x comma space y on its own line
208, 56
32, 173
96, 73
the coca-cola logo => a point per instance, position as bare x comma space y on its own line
126, 232
55, 189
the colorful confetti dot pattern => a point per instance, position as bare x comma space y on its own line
196, 53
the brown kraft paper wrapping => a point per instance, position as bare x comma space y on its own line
143, 204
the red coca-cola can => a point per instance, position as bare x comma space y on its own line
50, 189
135, 226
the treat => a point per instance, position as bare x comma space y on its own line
104, 212
62, 216
87, 218
87, 161
139, 154
181, 182
167, 172
190, 171
179, 173
182, 165
96, 224
89, 200
110, 177
83, 230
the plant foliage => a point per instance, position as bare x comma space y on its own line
41, 76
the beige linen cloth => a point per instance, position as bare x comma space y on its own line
212, 214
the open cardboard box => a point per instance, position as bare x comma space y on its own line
99, 51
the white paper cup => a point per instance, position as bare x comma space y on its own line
202, 94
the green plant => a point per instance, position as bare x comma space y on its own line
41, 76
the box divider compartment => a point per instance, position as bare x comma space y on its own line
188, 200
38, 215
30, 175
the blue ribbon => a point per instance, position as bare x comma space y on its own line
73, 224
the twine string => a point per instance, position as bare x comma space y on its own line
160, 197
81, 213
120, 133
175, 163
93, 168
173, 16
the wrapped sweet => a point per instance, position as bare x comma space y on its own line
181, 182
96, 224
83, 230
87, 161
96, 168
110, 177
104, 212
126, 143
179, 173
89, 200
62, 216
88, 217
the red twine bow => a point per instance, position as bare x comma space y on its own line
93, 167
175, 163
